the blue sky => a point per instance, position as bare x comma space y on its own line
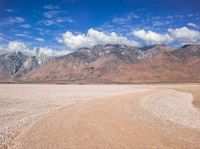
70, 24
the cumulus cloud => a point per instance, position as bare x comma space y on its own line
15, 46
94, 37
48, 51
185, 35
181, 35
150, 37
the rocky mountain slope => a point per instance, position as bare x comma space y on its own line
120, 63
16, 64
181, 65
86, 63
106, 63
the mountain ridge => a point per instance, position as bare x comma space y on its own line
106, 63
119, 63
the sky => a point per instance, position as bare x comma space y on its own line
61, 26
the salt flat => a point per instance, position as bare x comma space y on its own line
100, 116
20, 103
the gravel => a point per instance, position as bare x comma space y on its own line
174, 106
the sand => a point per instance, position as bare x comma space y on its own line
105, 116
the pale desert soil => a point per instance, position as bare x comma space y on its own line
193, 89
174, 106
20, 103
139, 116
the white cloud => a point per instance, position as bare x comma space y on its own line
157, 23
124, 20
26, 25
52, 17
150, 37
39, 39
22, 35
51, 14
12, 20
185, 35
51, 7
14, 46
181, 35
66, 19
94, 37
48, 51
9, 10
192, 25
56, 21
48, 22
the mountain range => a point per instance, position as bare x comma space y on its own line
14, 65
106, 63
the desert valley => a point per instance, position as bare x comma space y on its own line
99, 74
89, 98
100, 116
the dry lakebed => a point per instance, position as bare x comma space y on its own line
99, 116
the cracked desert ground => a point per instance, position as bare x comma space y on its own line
99, 116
